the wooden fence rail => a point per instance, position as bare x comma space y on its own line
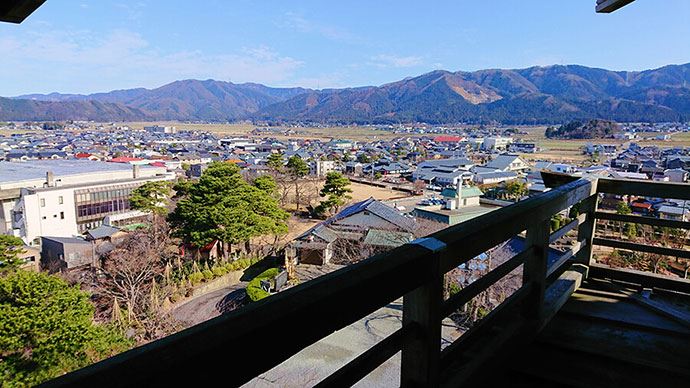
248, 342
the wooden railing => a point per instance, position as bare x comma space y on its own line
239, 346
652, 190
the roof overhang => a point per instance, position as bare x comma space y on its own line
15, 11
608, 6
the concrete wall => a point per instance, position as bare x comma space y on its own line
44, 215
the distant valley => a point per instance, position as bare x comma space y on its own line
534, 95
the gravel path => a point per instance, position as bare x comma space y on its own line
211, 305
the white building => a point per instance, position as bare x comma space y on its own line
508, 162
65, 198
159, 129
237, 142
321, 167
443, 171
496, 143
460, 197
677, 175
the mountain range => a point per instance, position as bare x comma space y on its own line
537, 94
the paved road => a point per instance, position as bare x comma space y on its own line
211, 305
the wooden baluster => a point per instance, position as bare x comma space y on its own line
420, 366
534, 273
587, 229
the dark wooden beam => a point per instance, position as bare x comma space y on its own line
645, 279
608, 6
15, 11
636, 247
662, 222
644, 188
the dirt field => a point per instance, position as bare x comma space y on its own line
321, 133
8, 132
570, 150
361, 192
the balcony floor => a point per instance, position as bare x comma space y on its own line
604, 336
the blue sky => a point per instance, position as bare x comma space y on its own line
79, 46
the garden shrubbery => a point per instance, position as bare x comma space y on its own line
254, 290
192, 274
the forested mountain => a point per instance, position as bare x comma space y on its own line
592, 129
534, 95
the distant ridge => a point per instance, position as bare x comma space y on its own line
550, 94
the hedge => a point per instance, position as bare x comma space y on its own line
254, 290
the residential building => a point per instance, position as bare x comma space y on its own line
496, 143
444, 172
369, 223
677, 175
508, 162
460, 197
66, 253
677, 213
493, 177
527, 148
321, 167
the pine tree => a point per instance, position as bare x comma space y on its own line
275, 161
336, 191
10, 249
223, 206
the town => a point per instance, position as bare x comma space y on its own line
62, 184
72, 193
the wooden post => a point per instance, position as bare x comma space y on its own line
534, 272
587, 229
420, 366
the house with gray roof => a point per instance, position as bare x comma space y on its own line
370, 225
508, 162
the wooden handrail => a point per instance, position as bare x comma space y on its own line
270, 331
468, 239
560, 264
645, 188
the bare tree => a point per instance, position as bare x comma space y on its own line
128, 271
487, 300
128, 278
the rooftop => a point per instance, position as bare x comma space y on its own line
36, 169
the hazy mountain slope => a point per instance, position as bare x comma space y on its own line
188, 99
20, 110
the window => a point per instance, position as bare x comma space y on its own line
60, 200
43, 202
62, 215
